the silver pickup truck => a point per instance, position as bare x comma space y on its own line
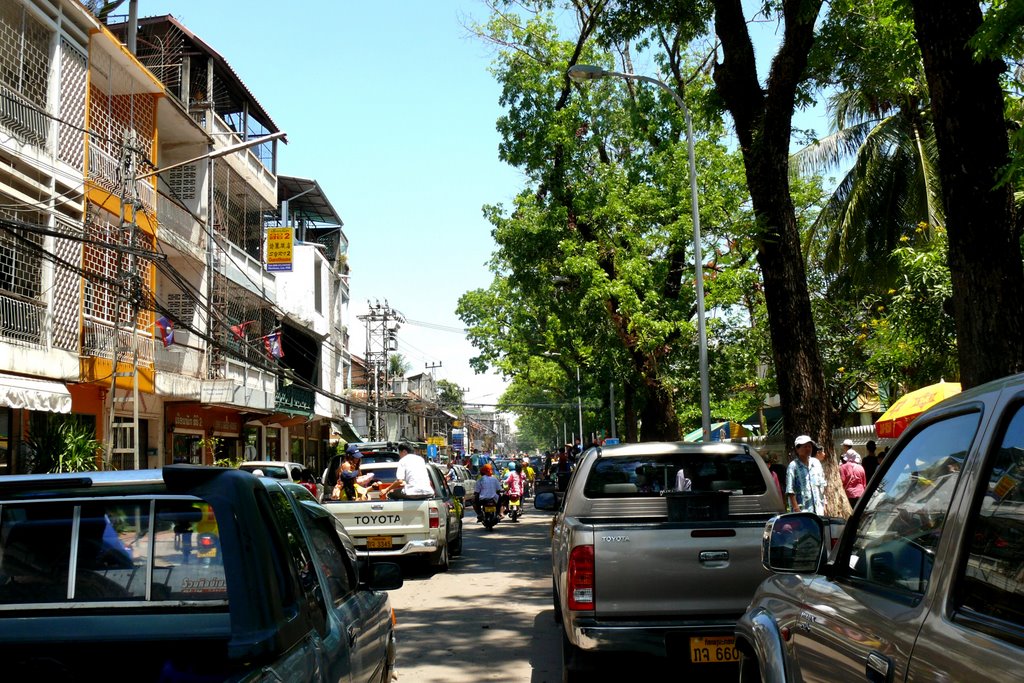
657, 549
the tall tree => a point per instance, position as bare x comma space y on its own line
983, 225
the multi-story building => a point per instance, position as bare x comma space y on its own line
135, 190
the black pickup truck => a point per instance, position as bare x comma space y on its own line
184, 574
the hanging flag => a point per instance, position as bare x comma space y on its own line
273, 344
239, 329
166, 328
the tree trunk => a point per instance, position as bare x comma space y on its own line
763, 119
984, 230
658, 419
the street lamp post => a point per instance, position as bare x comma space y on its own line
584, 72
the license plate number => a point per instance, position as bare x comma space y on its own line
489, 509
713, 649
378, 543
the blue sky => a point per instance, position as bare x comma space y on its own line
391, 108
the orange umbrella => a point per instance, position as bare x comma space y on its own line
909, 406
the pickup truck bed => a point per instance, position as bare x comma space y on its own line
430, 528
639, 565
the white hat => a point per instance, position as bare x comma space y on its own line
848, 442
802, 439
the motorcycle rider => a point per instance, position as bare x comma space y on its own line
514, 486
487, 488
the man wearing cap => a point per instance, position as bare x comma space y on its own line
801, 494
850, 454
412, 480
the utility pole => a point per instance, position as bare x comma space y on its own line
382, 325
127, 297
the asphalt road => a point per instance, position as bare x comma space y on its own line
490, 617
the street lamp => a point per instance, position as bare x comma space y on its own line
585, 72
579, 396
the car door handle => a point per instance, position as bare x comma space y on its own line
879, 667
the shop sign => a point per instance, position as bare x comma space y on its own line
279, 249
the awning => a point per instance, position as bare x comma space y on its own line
29, 393
344, 430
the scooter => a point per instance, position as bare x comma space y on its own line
515, 508
489, 509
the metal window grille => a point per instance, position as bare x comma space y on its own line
24, 73
67, 288
182, 181
22, 309
235, 306
238, 211
105, 298
117, 115
73, 75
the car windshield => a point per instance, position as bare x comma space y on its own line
651, 475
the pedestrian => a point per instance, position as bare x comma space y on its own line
817, 465
854, 480
850, 451
412, 479
870, 461
801, 495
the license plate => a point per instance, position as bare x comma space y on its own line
713, 649
378, 543
490, 509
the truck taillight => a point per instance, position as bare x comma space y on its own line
435, 518
581, 578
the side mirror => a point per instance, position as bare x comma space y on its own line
459, 491
546, 501
383, 576
793, 543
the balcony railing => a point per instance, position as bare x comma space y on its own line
23, 118
22, 320
294, 398
179, 228
98, 342
105, 170
241, 268
180, 360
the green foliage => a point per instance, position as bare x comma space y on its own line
80, 448
594, 259
450, 395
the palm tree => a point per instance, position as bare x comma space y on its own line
891, 189
397, 365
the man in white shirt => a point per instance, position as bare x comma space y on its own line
412, 480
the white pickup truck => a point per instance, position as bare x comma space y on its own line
429, 528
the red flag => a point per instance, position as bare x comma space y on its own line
239, 329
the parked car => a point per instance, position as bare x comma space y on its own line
286, 471
102, 578
927, 580
641, 563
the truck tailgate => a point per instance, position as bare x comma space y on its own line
691, 569
382, 518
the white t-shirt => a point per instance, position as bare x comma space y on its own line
412, 469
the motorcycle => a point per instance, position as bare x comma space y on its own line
515, 508
489, 509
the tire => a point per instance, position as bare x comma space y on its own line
439, 561
457, 545
389, 661
750, 671
574, 662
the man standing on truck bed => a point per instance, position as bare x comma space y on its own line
412, 480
